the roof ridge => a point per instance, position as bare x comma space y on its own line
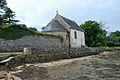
66, 18
72, 23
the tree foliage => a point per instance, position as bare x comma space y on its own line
0, 20
94, 34
43, 28
33, 29
13, 31
9, 17
2, 4
2, 7
113, 39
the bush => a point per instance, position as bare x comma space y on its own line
12, 32
16, 31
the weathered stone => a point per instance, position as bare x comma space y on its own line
35, 41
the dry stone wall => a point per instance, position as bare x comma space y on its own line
34, 41
45, 55
69, 52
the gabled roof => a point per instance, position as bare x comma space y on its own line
72, 24
54, 26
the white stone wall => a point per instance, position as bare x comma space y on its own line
80, 41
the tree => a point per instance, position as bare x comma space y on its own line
8, 17
43, 28
2, 6
33, 29
113, 39
117, 33
94, 34
0, 20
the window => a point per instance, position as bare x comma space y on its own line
75, 34
66, 37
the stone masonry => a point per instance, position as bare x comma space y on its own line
34, 41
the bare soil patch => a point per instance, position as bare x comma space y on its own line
104, 66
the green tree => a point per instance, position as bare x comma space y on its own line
2, 4
2, 7
33, 29
0, 20
43, 28
9, 17
94, 34
113, 39
117, 33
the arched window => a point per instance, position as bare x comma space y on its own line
75, 35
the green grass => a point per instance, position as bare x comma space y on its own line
2, 54
2, 76
111, 47
117, 73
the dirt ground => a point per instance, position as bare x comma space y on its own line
104, 66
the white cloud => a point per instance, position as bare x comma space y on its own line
40, 12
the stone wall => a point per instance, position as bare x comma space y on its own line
34, 41
72, 52
64, 35
35, 55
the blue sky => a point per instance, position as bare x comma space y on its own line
38, 13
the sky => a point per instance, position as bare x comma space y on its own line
38, 13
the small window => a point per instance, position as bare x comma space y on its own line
66, 37
75, 34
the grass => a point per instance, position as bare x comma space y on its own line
116, 73
2, 54
2, 76
112, 48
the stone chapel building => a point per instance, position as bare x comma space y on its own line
72, 34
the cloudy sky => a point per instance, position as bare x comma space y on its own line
37, 13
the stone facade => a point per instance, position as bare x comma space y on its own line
64, 35
34, 41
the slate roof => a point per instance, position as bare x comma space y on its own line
72, 24
54, 26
